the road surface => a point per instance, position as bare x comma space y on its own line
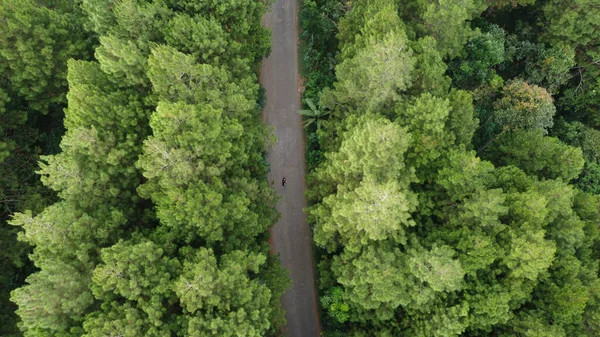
290, 236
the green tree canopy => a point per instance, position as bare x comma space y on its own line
573, 23
374, 79
524, 106
222, 297
546, 157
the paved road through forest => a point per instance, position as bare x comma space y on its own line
290, 236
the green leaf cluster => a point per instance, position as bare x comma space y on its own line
417, 234
163, 213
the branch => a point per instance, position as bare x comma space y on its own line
489, 142
580, 80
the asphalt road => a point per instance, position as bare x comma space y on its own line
290, 236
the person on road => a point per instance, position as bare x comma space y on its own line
283, 181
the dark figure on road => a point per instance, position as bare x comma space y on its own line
283, 181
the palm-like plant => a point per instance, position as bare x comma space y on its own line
314, 114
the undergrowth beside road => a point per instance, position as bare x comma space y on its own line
318, 51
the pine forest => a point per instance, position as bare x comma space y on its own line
452, 159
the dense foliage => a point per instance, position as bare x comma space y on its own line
162, 218
38, 37
453, 150
456, 187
